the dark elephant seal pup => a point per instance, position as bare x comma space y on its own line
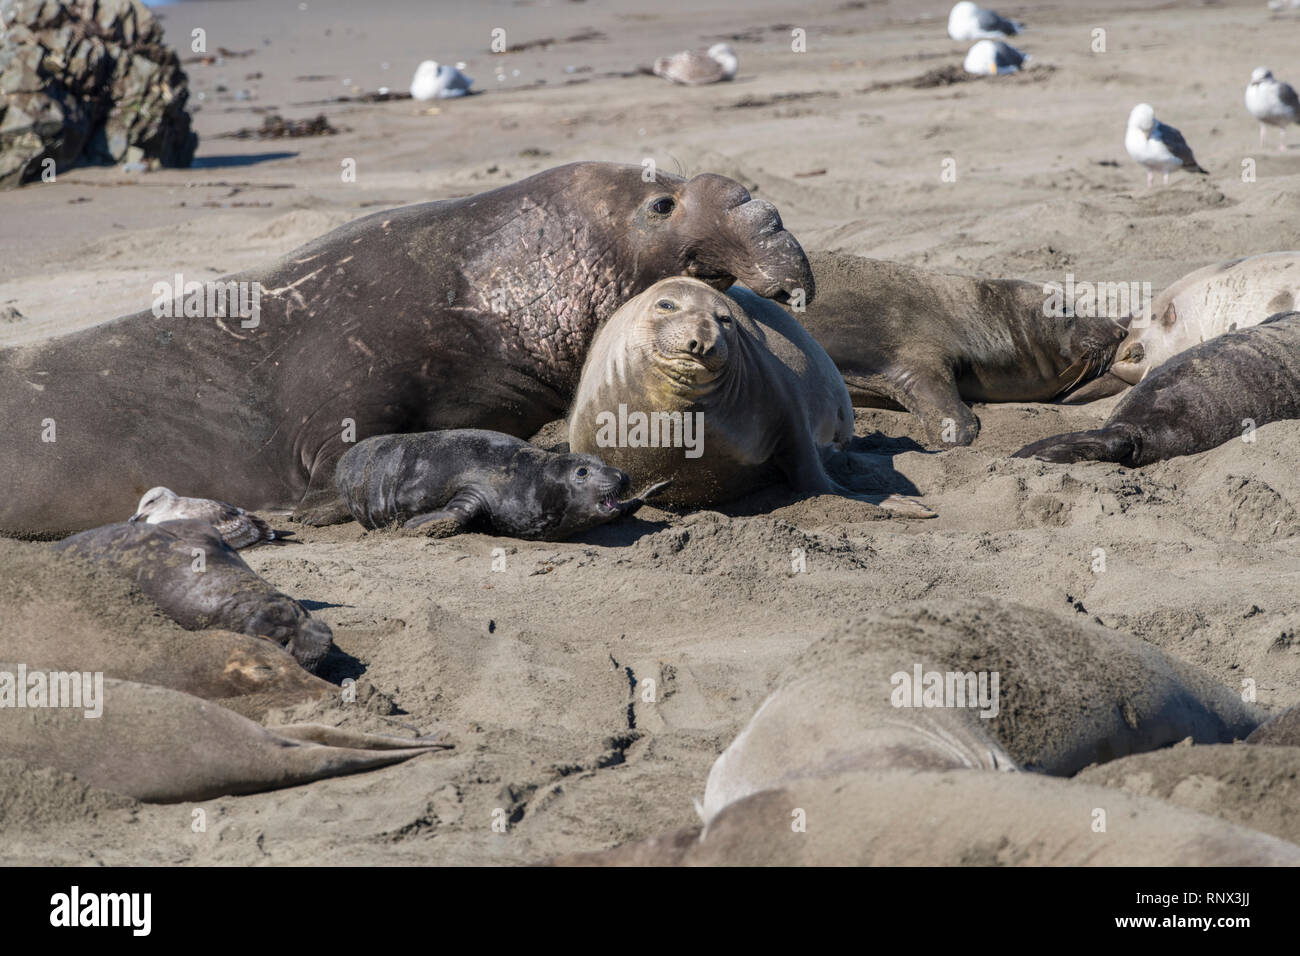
971, 685
162, 746
1198, 400
461, 313
719, 393
928, 343
199, 581
447, 481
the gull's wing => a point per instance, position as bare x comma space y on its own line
1174, 142
992, 20
689, 68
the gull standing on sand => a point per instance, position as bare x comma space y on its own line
994, 57
1156, 146
969, 22
692, 68
1273, 103
235, 525
438, 82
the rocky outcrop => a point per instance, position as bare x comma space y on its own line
87, 81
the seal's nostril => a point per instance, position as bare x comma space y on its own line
692, 345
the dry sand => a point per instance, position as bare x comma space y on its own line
536, 671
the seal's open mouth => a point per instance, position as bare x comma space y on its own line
610, 503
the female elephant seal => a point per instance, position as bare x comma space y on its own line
199, 581
929, 343
446, 481
463, 313
1196, 401
1206, 303
721, 394
162, 746
979, 685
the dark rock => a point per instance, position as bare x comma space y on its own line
88, 81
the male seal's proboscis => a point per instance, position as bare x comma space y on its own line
462, 313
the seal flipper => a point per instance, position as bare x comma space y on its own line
1120, 444
930, 395
452, 518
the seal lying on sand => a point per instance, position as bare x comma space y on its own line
901, 688
929, 343
934, 818
450, 479
162, 561
733, 394
62, 612
1196, 401
462, 313
163, 746
239, 528
1206, 303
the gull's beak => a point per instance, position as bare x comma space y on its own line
134, 518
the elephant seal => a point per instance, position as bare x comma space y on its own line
236, 526
1283, 730
909, 687
1196, 401
62, 612
719, 393
928, 343
224, 593
448, 480
933, 818
162, 746
461, 313
1206, 303
1256, 787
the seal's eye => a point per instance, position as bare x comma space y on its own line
723, 318
581, 473
666, 305
662, 206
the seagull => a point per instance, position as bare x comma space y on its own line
994, 57
239, 528
692, 68
969, 22
1272, 102
434, 82
1156, 146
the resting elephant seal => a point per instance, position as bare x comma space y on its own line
162, 746
462, 313
1066, 694
929, 343
1208, 302
161, 559
451, 479
718, 393
933, 818
1199, 399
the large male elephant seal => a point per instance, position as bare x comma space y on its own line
451, 480
1196, 401
462, 313
1206, 303
928, 342
162, 746
199, 581
977, 685
718, 393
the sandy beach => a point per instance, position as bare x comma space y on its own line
534, 670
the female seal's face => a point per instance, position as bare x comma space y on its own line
692, 330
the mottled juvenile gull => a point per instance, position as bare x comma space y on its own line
239, 528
